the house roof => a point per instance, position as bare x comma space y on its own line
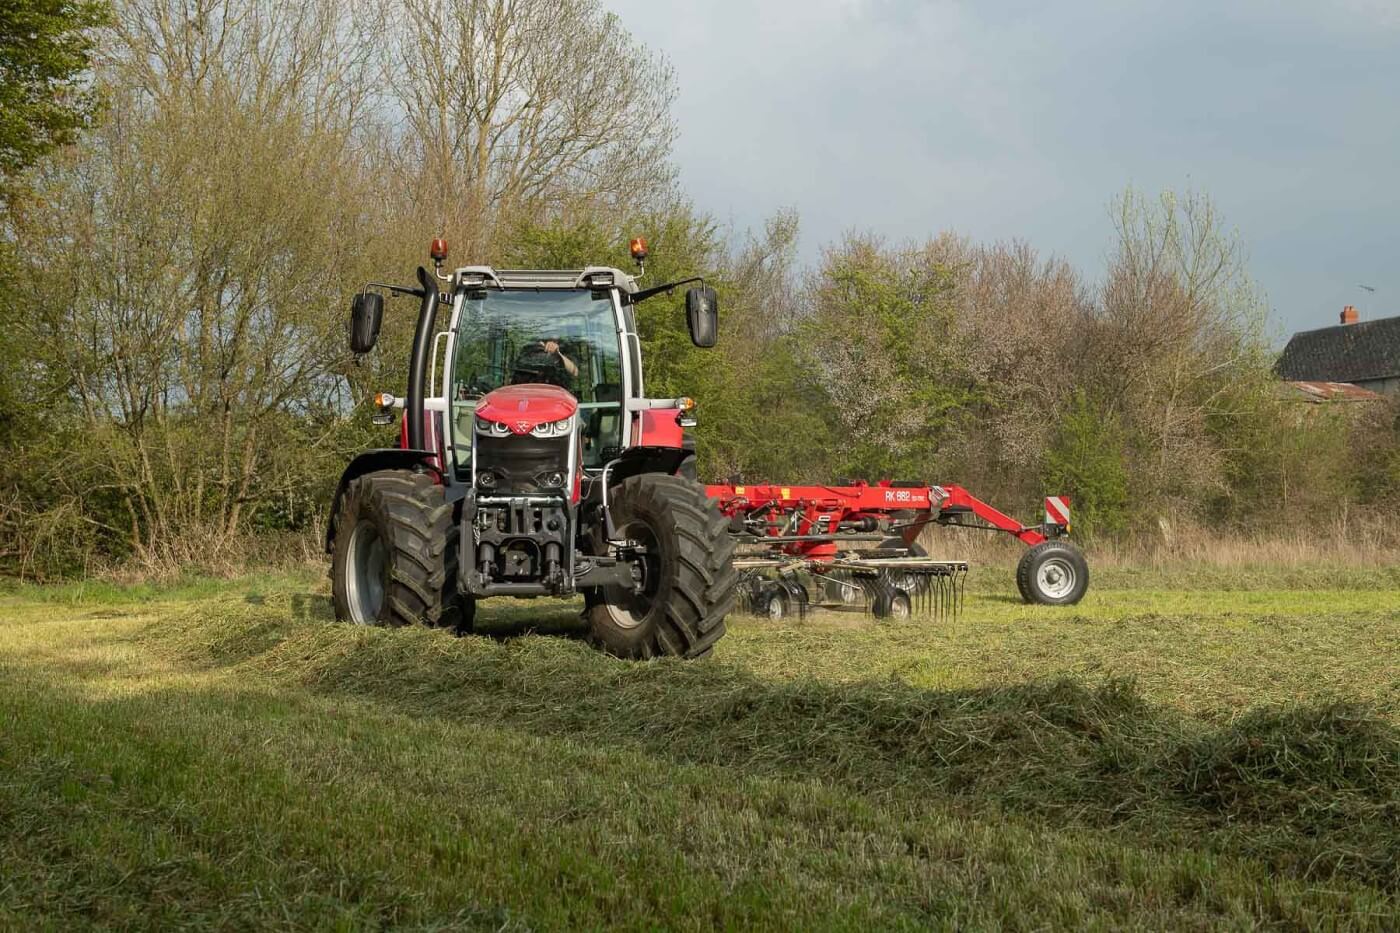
1318, 392
1343, 353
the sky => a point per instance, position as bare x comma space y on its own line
1003, 119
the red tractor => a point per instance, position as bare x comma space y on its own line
532, 463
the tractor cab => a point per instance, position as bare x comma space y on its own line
532, 328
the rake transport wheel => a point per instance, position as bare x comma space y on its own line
777, 600
395, 556
688, 578
890, 600
1053, 573
773, 604
909, 582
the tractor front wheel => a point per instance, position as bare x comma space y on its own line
395, 556
688, 581
1053, 573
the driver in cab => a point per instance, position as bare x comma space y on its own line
544, 361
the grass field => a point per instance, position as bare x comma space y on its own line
1182, 750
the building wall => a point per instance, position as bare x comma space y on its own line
1387, 386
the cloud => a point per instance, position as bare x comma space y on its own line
1004, 119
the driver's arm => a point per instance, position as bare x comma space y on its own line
569, 365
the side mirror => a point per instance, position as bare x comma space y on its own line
702, 315
366, 314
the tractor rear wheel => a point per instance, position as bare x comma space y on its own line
1053, 573
688, 580
395, 555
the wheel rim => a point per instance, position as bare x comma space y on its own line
1055, 578
840, 589
912, 582
775, 607
366, 568
628, 609
899, 607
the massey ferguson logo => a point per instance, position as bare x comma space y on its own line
523, 426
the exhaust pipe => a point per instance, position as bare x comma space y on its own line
418, 360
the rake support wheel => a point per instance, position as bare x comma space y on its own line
395, 556
1053, 573
689, 582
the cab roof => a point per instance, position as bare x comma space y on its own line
588, 277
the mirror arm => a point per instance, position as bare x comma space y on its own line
644, 294
393, 289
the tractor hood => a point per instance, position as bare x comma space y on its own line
523, 408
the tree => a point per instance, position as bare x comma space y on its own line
46, 96
1019, 318
1178, 324
524, 107
1085, 462
197, 345
880, 337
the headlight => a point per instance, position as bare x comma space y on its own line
493, 428
550, 479
554, 428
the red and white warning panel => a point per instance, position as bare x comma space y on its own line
1057, 510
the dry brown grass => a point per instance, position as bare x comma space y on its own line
1343, 543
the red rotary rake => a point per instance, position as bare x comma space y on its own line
838, 546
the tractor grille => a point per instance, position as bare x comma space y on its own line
521, 463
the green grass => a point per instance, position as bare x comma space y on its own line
222, 755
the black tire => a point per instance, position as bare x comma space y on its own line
773, 605
413, 580
1053, 573
838, 587
1021, 580
891, 601
910, 582
691, 581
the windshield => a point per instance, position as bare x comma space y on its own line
566, 338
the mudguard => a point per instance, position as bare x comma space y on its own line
372, 461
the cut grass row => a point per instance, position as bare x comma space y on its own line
237, 761
1312, 789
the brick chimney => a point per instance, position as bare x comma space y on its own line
1349, 315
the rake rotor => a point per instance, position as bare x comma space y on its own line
883, 587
